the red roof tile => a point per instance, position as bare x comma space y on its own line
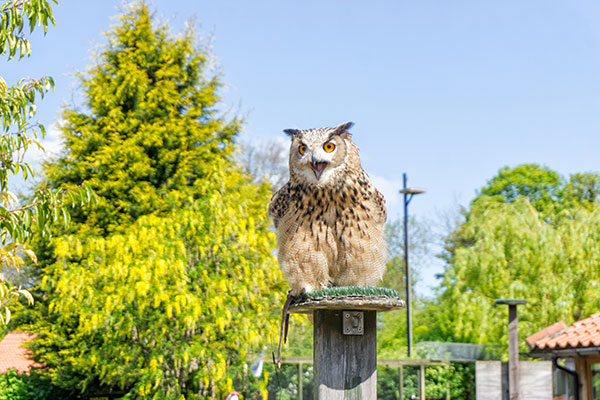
13, 353
551, 330
581, 334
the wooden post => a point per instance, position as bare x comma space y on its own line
345, 365
401, 383
422, 382
345, 345
513, 353
300, 394
513, 346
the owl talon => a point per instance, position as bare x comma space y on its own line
283, 330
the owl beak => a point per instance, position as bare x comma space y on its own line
318, 167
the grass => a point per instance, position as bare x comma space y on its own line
348, 291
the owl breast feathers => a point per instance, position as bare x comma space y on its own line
329, 217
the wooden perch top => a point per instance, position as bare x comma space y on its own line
348, 298
347, 303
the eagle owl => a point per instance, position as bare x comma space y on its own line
329, 217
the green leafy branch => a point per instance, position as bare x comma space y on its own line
17, 104
13, 16
47, 206
18, 224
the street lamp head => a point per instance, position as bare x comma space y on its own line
412, 191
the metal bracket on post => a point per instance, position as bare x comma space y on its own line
353, 323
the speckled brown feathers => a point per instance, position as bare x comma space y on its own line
329, 217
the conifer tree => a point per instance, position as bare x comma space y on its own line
167, 287
150, 132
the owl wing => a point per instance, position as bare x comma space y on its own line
379, 206
279, 204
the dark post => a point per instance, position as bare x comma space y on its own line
407, 270
408, 195
513, 346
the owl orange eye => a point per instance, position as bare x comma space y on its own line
301, 149
329, 147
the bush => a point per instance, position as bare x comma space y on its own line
458, 379
15, 386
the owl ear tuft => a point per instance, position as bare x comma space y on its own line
338, 130
292, 132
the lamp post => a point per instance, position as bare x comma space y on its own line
408, 195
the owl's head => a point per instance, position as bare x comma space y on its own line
318, 155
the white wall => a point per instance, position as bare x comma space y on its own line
535, 380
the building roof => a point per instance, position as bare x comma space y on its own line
13, 353
581, 337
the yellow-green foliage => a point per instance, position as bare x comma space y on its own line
174, 304
510, 250
168, 286
149, 133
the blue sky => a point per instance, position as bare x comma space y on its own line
448, 92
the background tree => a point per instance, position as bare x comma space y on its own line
20, 221
174, 305
421, 239
583, 189
544, 250
541, 185
151, 133
266, 161
167, 286
392, 340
